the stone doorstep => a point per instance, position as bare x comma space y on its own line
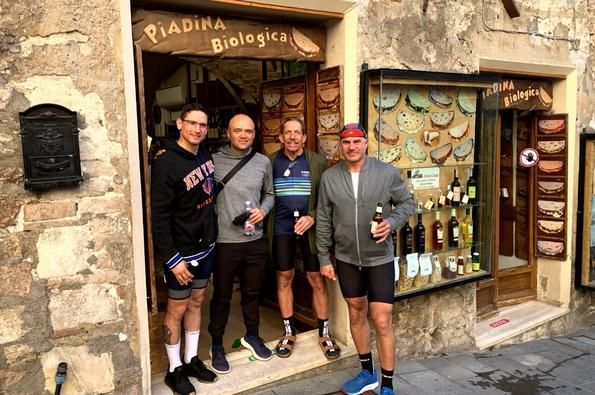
246, 374
515, 320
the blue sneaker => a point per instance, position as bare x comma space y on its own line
257, 347
364, 381
218, 360
387, 391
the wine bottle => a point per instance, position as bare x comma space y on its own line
407, 239
467, 229
420, 234
441, 199
471, 188
453, 229
376, 220
455, 187
437, 233
448, 198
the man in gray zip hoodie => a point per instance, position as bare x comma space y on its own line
349, 194
235, 251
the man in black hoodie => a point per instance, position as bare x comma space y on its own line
184, 234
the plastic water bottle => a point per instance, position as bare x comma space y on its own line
249, 228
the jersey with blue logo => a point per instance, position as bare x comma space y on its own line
292, 183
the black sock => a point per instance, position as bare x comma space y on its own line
366, 361
289, 325
387, 378
322, 327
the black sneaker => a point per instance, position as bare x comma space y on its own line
178, 382
257, 347
218, 360
196, 368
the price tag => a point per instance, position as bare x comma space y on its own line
429, 204
505, 192
449, 195
397, 268
465, 199
412, 265
442, 200
425, 265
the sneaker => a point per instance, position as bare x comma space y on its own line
178, 382
196, 368
364, 381
257, 347
218, 360
386, 391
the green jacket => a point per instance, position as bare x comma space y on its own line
316, 164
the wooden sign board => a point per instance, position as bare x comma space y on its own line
218, 36
522, 94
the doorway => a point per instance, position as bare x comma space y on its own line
224, 87
516, 269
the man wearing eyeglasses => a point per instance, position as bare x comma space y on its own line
184, 234
349, 193
296, 175
236, 252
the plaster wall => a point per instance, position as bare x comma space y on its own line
67, 288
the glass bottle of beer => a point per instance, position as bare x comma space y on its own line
376, 219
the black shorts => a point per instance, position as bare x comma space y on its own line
284, 247
377, 282
200, 268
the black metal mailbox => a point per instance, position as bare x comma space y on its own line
51, 157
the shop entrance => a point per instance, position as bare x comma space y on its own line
224, 88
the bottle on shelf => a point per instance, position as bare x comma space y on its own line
296, 218
437, 233
429, 203
460, 265
471, 187
407, 239
455, 187
475, 262
468, 264
453, 229
467, 229
376, 219
464, 197
441, 199
420, 233
448, 198
249, 228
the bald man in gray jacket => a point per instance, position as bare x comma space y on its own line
347, 199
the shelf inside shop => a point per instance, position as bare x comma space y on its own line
448, 208
421, 166
447, 249
443, 283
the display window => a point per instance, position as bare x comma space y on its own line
585, 241
438, 130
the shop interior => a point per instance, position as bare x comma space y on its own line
223, 87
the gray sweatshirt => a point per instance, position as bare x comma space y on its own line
253, 182
346, 220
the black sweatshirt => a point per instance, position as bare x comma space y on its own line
183, 204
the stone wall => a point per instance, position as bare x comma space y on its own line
66, 276
451, 36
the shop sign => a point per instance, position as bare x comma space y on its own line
218, 36
522, 94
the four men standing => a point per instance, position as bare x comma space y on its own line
185, 230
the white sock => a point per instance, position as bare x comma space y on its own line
173, 355
190, 345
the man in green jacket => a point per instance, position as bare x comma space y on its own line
296, 175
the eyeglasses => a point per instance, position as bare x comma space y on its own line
195, 124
